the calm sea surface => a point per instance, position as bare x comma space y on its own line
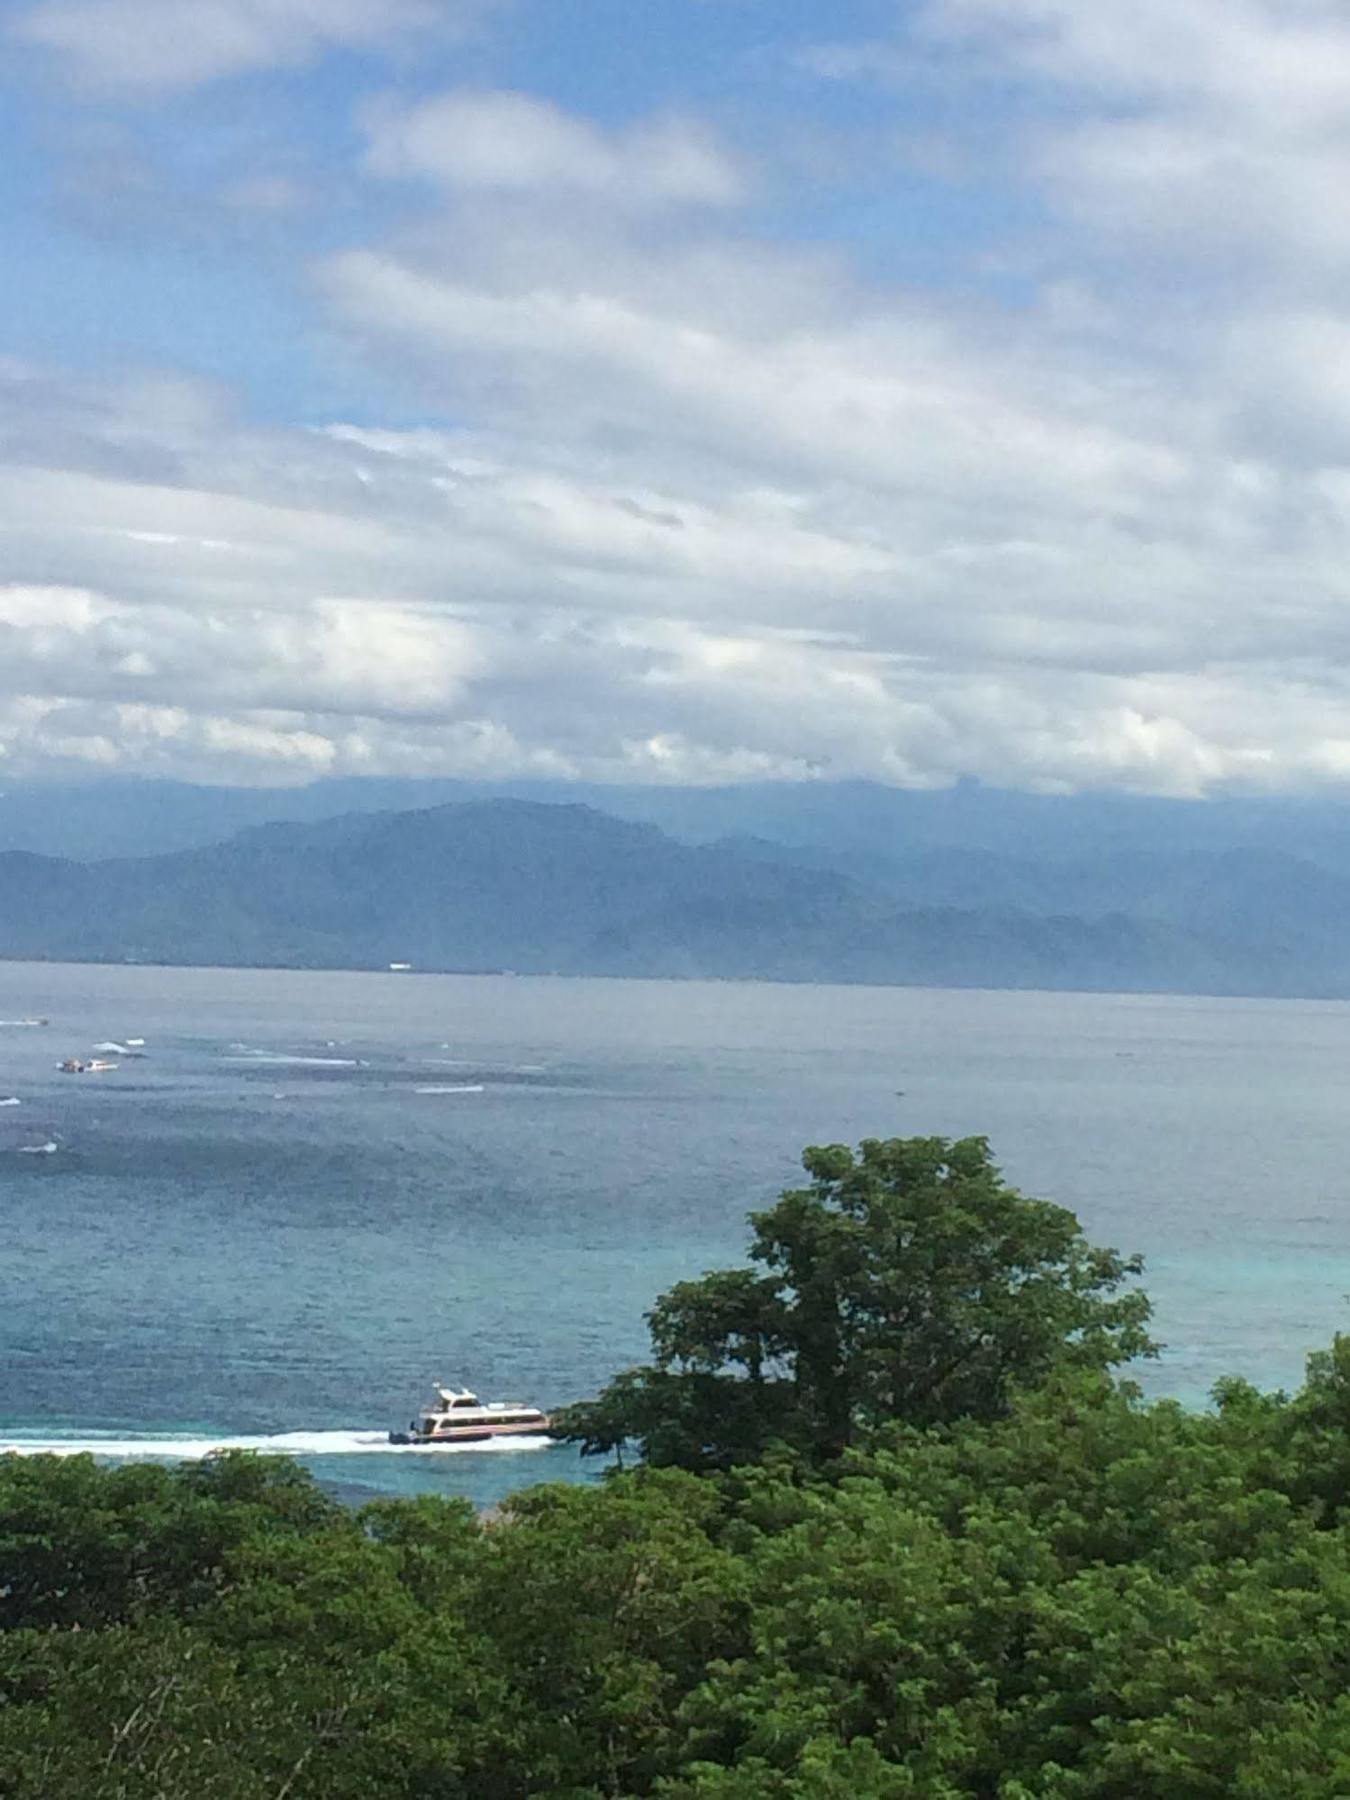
315, 1194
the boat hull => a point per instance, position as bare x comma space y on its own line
469, 1434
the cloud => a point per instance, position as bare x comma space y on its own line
149, 46
510, 143
273, 604
1065, 504
622, 700
1210, 128
898, 401
347, 656
1287, 65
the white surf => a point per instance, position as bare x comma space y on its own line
268, 1060
185, 1448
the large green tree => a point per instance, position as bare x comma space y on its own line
908, 1281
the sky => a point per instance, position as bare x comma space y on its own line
711, 391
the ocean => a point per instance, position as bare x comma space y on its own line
309, 1196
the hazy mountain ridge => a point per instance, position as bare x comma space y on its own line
509, 884
119, 816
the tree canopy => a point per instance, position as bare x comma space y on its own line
908, 1281
1011, 1578
1087, 1598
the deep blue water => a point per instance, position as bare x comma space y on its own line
269, 1225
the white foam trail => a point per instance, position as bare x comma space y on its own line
13, 1100
267, 1061
468, 1087
47, 1149
463, 1062
284, 1443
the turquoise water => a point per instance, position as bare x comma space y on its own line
318, 1193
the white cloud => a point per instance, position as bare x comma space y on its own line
349, 656
1284, 62
146, 46
718, 509
510, 143
277, 605
898, 402
1207, 128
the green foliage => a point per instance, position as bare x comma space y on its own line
1086, 1598
1014, 1580
908, 1281
1082, 1598
82, 1546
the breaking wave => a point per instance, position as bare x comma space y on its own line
463, 1087
268, 1059
487, 1068
184, 1448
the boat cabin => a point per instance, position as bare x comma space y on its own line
458, 1413
453, 1400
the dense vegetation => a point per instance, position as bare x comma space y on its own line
1011, 1579
906, 1282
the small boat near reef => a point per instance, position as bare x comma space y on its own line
74, 1065
457, 1416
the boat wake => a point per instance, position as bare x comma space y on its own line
184, 1448
267, 1059
460, 1062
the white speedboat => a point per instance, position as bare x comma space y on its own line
457, 1416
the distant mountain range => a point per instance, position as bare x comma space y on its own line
502, 883
116, 816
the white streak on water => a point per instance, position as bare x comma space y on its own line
285, 1443
467, 1087
265, 1059
463, 1062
